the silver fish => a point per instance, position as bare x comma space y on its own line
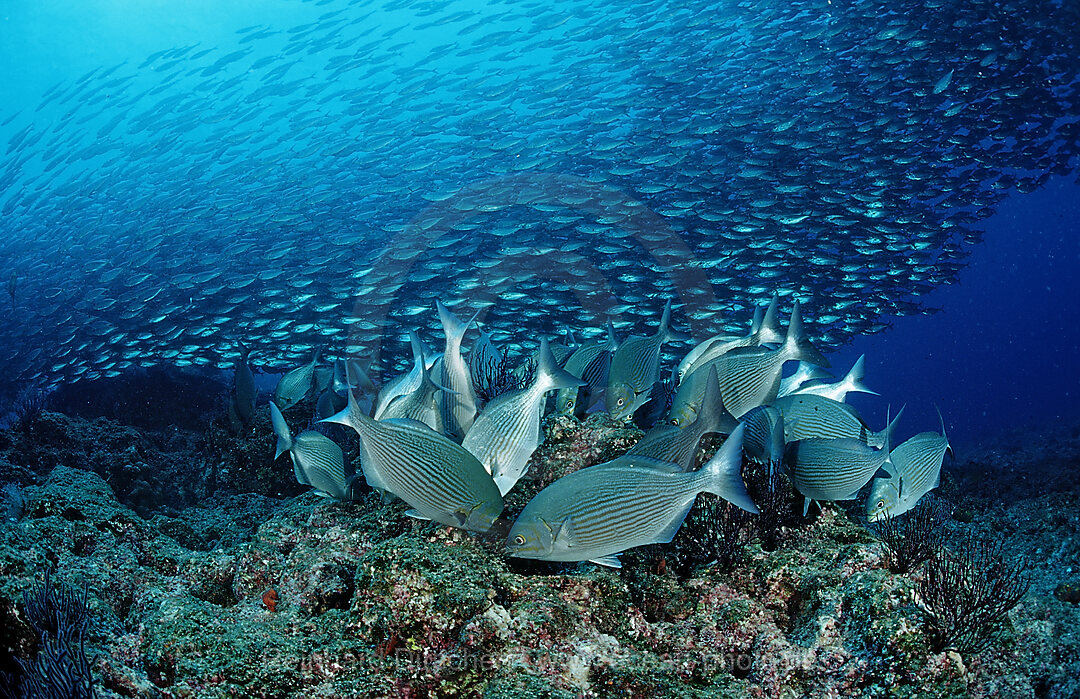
591, 363
764, 329
317, 460
244, 391
439, 479
296, 384
596, 513
507, 431
809, 416
457, 404
635, 368
804, 373
917, 463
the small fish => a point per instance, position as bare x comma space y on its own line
678, 445
851, 383
635, 367
458, 403
600, 511
244, 391
295, 385
834, 469
317, 460
917, 463
507, 431
439, 479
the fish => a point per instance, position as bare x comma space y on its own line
457, 404
851, 383
917, 463
244, 392
295, 385
812, 416
635, 367
507, 431
591, 363
749, 376
317, 460
679, 445
598, 512
764, 330
834, 469
764, 437
435, 476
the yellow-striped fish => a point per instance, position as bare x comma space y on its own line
317, 461
295, 385
458, 403
635, 368
596, 513
764, 329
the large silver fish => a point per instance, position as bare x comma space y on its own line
635, 368
591, 363
439, 479
809, 416
420, 403
917, 463
317, 460
834, 469
764, 329
596, 513
507, 431
458, 403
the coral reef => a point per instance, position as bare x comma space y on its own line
370, 603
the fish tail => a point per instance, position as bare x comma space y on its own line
244, 351
453, 328
890, 427
853, 381
612, 338
797, 344
281, 429
352, 415
549, 375
723, 473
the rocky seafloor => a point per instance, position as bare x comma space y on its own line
210, 574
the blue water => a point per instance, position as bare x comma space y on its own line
1001, 354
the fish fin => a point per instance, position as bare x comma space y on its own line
415, 514
948, 447
564, 533
549, 375
281, 429
722, 474
854, 378
612, 338
714, 416
359, 376
806, 505
755, 322
453, 328
665, 333
890, 427
798, 345
611, 561
768, 329
665, 535
298, 473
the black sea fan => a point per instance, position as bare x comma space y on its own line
966, 596
912, 538
497, 376
715, 531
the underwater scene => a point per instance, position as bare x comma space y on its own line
517, 349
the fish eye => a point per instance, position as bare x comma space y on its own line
569, 404
519, 540
620, 401
880, 504
675, 421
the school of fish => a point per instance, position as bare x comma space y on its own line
452, 459
319, 185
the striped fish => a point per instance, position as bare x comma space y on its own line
678, 445
590, 362
412, 395
749, 376
917, 463
457, 405
764, 329
851, 383
808, 416
596, 513
436, 477
507, 431
295, 385
764, 439
317, 461
834, 469
635, 367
